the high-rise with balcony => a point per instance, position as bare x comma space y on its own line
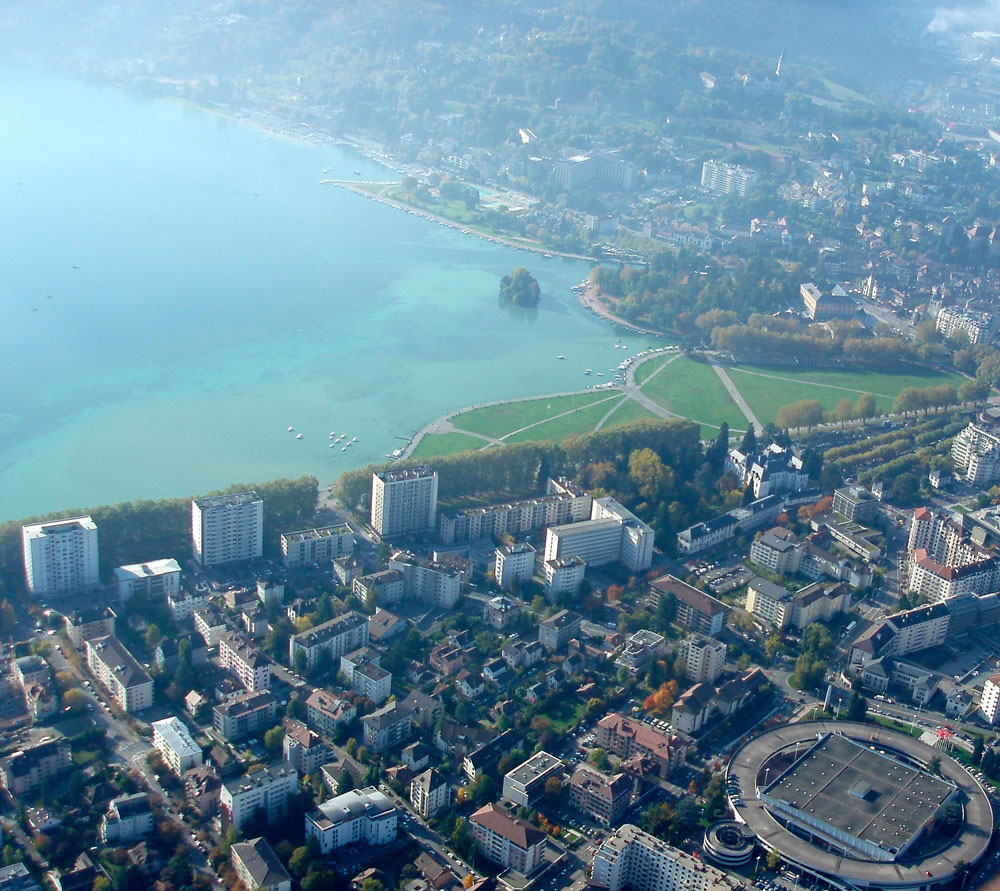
404, 501
60, 557
227, 528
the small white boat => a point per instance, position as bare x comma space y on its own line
588, 371
343, 448
333, 433
290, 429
560, 357
298, 436
332, 444
355, 439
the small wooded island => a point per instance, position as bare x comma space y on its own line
520, 287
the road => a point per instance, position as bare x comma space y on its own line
130, 750
741, 403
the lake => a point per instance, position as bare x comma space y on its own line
177, 290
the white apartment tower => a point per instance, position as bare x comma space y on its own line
60, 557
226, 528
404, 501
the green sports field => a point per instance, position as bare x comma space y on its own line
685, 387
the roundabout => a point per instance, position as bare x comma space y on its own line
854, 805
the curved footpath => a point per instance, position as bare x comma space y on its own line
444, 424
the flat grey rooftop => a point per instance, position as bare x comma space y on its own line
871, 796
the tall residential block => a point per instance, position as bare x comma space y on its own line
404, 501
226, 528
60, 557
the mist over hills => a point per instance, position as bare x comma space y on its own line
639, 55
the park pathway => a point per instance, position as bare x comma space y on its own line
741, 403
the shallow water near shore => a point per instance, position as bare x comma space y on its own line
177, 289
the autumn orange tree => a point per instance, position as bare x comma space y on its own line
662, 700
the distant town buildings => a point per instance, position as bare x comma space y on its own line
60, 557
227, 528
404, 501
579, 170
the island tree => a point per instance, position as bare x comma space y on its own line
520, 287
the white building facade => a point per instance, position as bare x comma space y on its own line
60, 557
227, 528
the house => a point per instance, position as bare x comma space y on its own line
446, 659
469, 685
416, 756
494, 669
426, 710
693, 708
384, 626
695, 609
202, 786
486, 756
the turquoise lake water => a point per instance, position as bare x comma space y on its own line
223, 294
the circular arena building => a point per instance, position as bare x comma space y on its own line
854, 805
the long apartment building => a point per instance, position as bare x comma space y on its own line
244, 660
944, 562
563, 502
329, 640
404, 501
245, 714
782, 608
173, 741
511, 842
265, 792
155, 579
319, 545
428, 580
28, 769
625, 737
631, 858
116, 669
60, 557
695, 609
361, 815
613, 534
978, 327
227, 528
728, 179
902, 633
